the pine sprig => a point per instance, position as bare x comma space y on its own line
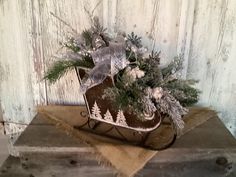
126, 95
174, 66
155, 56
153, 76
135, 40
71, 44
183, 91
60, 68
97, 28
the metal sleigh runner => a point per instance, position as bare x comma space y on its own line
128, 94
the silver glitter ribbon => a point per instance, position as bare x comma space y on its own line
108, 62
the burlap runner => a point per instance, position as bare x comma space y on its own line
127, 159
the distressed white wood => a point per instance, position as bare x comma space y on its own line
185, 32
14, 129
202, 31
20, 89
156, 21
212, 57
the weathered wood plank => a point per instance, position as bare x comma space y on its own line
57, 166
185, 32
20, 61
212, 56
201, 140
157, 22
74, 166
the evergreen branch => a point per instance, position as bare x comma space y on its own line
70, 44
126, 95
97, 28
60, 68
183, 92
174, 66
153, 76
155, 56
135, 40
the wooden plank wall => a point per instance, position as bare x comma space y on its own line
29, 35
212, 57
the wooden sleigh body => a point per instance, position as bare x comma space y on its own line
155, 132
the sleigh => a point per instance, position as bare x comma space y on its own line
152, 112
156, 132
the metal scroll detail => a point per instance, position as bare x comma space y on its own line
157, 139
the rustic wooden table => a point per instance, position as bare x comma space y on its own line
45, 151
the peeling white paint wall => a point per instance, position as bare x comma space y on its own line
203, 31
212, 58
17, 73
